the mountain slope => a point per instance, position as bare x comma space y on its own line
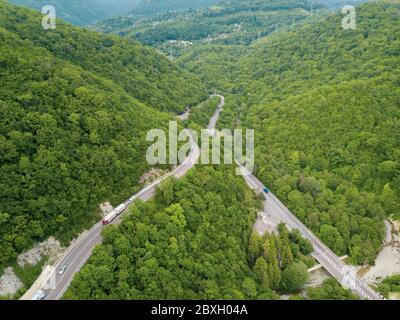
152, 7
70, 136
324, 103
139, 70
229, 22
193, 241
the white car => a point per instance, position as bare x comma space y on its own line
62, 270
39, 295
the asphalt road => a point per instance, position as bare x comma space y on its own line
277, 211
79, 252
214, 118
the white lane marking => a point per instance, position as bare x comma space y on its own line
331, 259
85, 258
193, 156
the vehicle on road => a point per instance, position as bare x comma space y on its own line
39, 295
266, 190
62, 270
113, 214
130, 201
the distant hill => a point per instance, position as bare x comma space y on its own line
82, 12
75, 110
151, 7
324, 104
228, 23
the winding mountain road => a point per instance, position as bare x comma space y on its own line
79, 252
276, 211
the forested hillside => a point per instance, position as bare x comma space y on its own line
139, 70
194, 241
324, 103
82, 12
228, 23
325, 106
201, 114
153, 7
73, 124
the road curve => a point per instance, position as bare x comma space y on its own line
79, 252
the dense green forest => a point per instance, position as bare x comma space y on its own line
74, 123
194, 240
228, 23
325, 106
154, 7
389, 285
324, 103
82, 12
139, 70
205, 62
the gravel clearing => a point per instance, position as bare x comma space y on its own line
388, 261
106, 208
9, 283
152, 175
317, 277
263, 225
50, 248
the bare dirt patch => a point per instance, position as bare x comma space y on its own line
152, 175
106, 208
394, 296
388, 261
9, 283
263, 225
317, 277
50, 248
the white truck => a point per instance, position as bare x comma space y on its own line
113, 214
